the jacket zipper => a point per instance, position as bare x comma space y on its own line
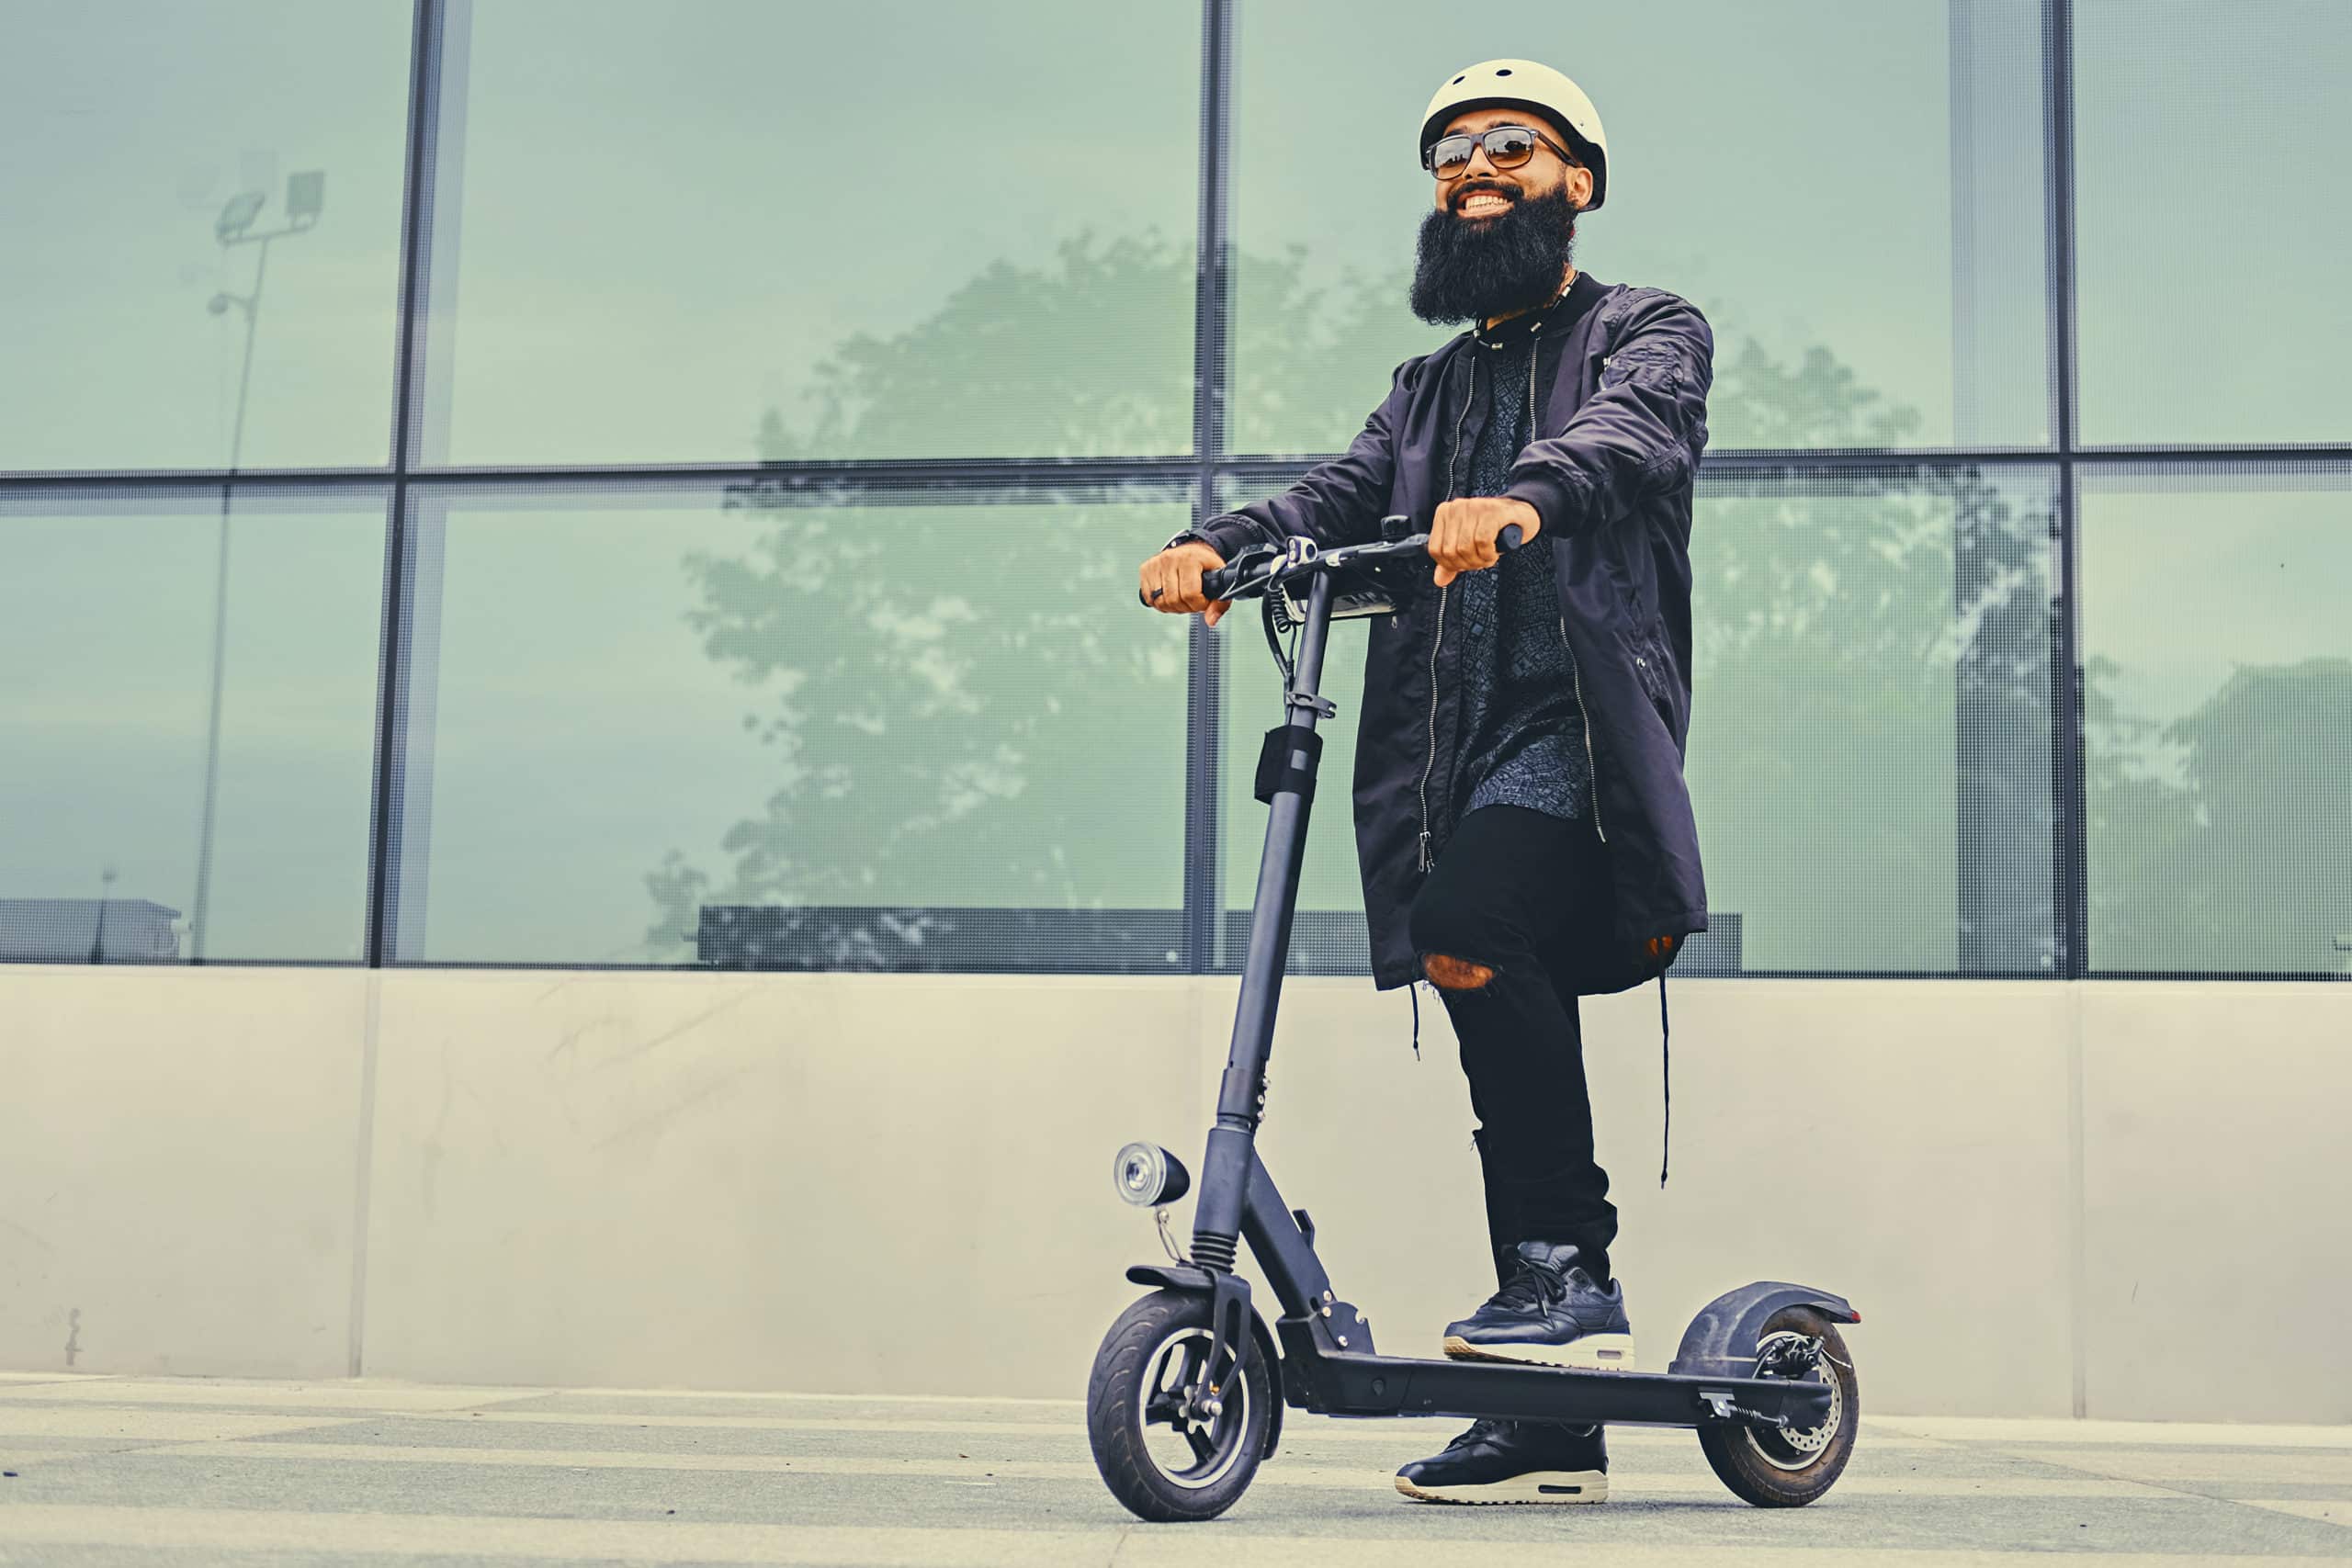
1576, 671
1592, 768
1438, 641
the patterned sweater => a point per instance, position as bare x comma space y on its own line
1522, 726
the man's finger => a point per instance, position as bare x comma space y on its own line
1439, 525
1216, 612
1449, 542
1462, 546
1188, 595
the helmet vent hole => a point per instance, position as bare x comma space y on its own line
1504, 71
1457, 80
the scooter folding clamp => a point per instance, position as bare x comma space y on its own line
1287, 759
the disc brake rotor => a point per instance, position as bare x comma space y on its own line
1789, 1354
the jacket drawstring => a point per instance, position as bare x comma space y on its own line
1413, 989
1665, 1069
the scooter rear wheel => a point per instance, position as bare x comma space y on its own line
1776, 1469
1162, 1456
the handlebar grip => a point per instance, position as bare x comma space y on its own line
1508, 539
1217, 583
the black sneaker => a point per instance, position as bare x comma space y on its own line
1514, 1462
1550, 1314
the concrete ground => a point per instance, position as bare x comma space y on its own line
134, 1474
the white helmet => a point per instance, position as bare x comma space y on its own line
1522, 84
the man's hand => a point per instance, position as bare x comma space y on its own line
1462, 535
1170, 581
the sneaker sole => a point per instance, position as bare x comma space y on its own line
1593, 1353
1553, 1486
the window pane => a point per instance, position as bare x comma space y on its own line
106, 631
2217, 673
2211, 303
654, 720
1869, 247
1869, 756
730, 228
132, 133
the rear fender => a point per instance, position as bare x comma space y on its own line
1721, 1341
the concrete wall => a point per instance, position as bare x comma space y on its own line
2129, 1200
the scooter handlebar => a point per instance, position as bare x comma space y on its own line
1258, 567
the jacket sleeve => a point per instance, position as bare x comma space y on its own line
1638, 434
1338, 502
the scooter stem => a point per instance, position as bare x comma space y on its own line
1241, 1096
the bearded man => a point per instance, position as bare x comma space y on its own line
1523, 826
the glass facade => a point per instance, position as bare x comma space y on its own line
657, 492
182, 782
2208, 248
740, 235
195, 192
2216, 670
1878, 290
897, 710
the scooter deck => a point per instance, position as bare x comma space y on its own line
1339, 1383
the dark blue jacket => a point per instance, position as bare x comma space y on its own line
1619, 422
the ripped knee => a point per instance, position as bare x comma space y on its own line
1453, 974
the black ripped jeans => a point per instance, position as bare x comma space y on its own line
1513, 890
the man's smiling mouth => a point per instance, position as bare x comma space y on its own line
1482, 204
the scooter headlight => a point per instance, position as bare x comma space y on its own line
1146, 1175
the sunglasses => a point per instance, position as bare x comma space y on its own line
1507, 146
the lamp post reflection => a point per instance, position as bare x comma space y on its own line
305, 197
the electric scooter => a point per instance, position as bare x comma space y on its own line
1187, 1391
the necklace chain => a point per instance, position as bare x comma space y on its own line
1530, 319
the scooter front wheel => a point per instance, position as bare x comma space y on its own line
1774, 1468
1174, 1438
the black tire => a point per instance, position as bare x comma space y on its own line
1139, 1438
1772, 1471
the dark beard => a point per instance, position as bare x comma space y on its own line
1469, 269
